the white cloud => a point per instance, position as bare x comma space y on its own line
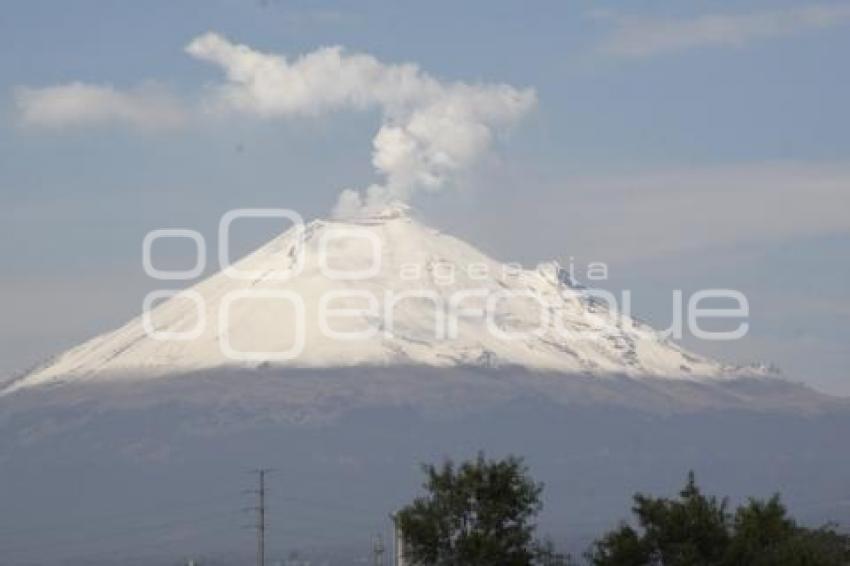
643, 37
76, 104
430, 129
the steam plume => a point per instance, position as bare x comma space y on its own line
430, 129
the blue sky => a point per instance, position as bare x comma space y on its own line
688, 146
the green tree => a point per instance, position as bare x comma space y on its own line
479, 513
688, 531
761, 530
620, 547
697, 530
764, 535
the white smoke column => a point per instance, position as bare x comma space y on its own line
430, 129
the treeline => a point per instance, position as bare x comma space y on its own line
695, 529
481, 513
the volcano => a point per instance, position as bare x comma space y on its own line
380, 291
345, 352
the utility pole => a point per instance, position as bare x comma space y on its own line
261, 523
378, 550
261, 514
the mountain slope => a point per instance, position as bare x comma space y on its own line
128, 424
416, 296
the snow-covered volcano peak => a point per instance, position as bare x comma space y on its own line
389, 211
381, 290
375, 212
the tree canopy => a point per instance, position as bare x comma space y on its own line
696, 530
481, 513
478, 513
